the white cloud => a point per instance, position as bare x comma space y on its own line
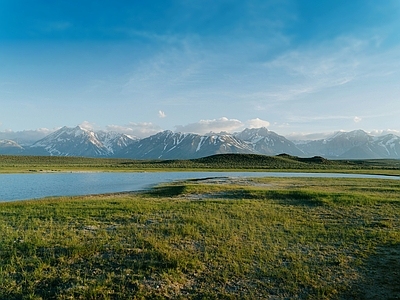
215, 125
25, 137
256, 123
140, 130
89, 126
357, 119
384, 132
161, 114
221, 124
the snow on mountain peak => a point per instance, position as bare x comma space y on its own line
83, 141
79, 141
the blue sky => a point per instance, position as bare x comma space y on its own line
296, 67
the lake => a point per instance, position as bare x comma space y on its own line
32, 186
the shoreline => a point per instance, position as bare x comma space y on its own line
216, 178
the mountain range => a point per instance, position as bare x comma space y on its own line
79, 141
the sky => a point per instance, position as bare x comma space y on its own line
300, 68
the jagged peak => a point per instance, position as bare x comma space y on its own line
258, 140
261, 131
165, 132
358, 132
335, 134
354, 133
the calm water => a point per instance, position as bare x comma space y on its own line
30, 186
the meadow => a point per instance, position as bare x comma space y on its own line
266, 238
223, 162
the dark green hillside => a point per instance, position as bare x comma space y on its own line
310, 160
282, 161
244, 161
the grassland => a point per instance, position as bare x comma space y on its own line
248, 162
267, 238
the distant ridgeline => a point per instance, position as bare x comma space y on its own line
169, 145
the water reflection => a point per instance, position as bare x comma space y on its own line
29, 186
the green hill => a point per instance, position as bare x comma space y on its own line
23, 164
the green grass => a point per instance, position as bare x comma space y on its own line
240, 162
280, 238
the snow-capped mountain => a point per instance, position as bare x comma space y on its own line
10, 147
113, 141
79, 141
387, 146
170, 145
336, 145
26, 137
354, 145
263, 141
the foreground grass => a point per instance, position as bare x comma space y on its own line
265, 238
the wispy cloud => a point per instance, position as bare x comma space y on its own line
163, 75
329, 65
195, 61
161, 114
312, 69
